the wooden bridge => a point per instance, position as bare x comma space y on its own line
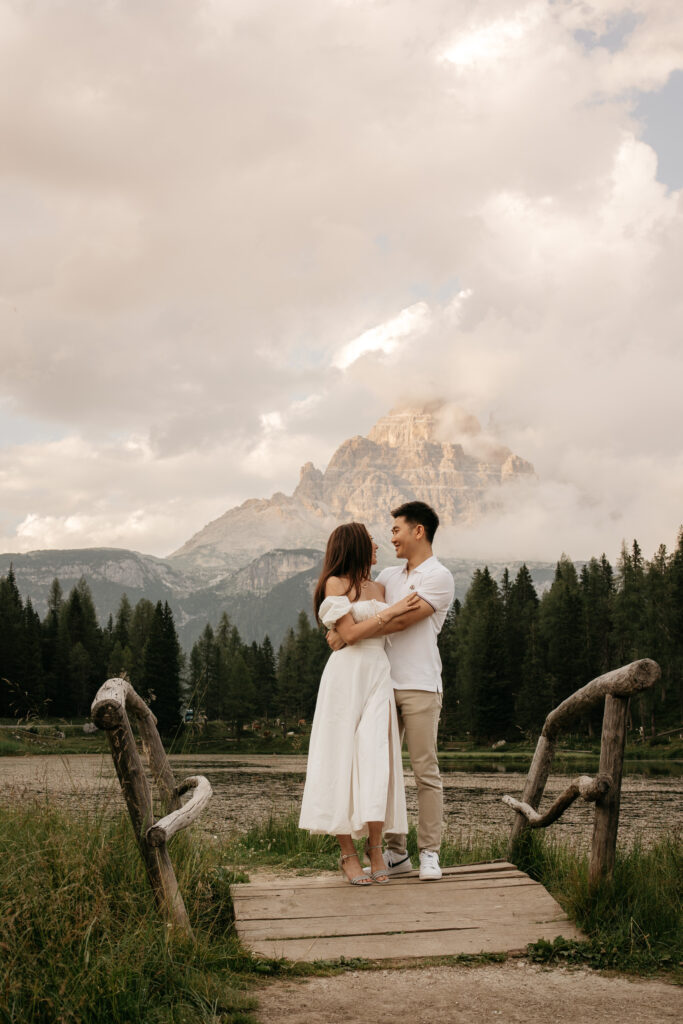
476, 908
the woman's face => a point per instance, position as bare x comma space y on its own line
374, 552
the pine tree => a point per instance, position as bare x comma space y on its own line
659, 633
534, 699
139, 630
288, 678
239, 702
560, 628
80, 679
123, 623
449, 721
32, 659
50, 629
523, 653
266, 680
11, 641
84, 674
629, 615
311, 654
162, 669
483, 686
597, 597
204, 692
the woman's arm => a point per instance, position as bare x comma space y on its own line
351, 631
421, 611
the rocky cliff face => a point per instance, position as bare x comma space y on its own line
434, 454
266, 572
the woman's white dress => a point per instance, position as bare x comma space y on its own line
354, 773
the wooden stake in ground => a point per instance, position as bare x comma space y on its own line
606, 820
110, 709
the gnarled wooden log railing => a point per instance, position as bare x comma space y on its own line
615, 688
114, 702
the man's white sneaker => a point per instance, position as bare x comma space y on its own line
429, 865
397, 863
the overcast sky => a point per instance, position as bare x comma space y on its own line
236, 232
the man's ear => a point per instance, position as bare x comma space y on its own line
419, 531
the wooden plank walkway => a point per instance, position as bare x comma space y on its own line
475, 908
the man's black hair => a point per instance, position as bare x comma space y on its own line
418, 512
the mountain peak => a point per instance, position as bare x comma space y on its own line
436, 421
436, 453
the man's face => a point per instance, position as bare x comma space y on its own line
403, 537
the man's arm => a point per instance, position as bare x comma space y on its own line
401, 622
396, 625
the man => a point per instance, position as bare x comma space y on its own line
416, 673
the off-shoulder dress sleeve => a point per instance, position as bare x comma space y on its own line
332, 609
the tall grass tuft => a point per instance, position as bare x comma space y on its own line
80, 939
279, 840
633, 922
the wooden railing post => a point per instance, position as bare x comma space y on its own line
606, 820
614, 688
109, 711
534, 785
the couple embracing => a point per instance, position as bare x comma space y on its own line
382, 682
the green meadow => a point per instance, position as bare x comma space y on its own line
81, 941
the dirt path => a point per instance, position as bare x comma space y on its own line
515, 993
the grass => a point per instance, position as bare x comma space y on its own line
10, 748
81, 941
49, 739
633, 922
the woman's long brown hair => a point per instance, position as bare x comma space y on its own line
348, 554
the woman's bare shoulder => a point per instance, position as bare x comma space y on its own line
336, 586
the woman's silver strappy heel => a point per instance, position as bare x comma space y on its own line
380, 877
361, 879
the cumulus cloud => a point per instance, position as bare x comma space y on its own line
235, 234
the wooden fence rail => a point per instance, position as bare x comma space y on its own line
615, 688
114, 702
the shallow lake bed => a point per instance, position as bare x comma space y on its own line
249, 788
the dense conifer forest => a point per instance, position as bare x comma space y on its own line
509, 656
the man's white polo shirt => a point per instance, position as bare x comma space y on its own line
414, 654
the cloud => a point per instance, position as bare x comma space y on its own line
410, 323
493, 41
235, 234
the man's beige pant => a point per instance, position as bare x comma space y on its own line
418, 721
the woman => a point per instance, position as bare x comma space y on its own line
354, 778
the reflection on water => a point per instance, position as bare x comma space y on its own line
249, 788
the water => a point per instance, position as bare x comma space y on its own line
249, 788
